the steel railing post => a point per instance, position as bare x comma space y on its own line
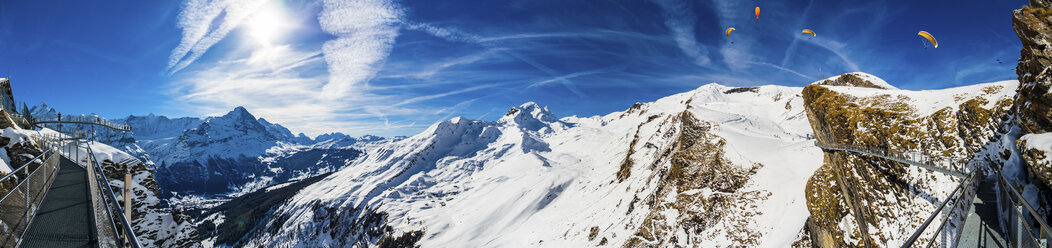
947, 216
127, 197
1019, 225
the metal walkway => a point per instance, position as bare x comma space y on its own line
57, 202
982, 226
79, 119
992, 202
914, 159
65, 216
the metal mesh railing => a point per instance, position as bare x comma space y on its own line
953, 206
23, 189
947, 165
81, 119
122, 229
113, 228
1026, 227
961, 199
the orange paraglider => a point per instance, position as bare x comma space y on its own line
808, 31
930, 38
729, 30
757, 12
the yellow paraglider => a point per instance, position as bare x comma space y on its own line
930, 38
808, 31
729, 34
757, 12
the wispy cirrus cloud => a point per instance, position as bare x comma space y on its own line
681, 20
301, 86
365, 32
564, 78
197, 20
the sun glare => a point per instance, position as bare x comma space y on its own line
267, 24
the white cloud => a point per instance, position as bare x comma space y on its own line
288, 84
567, 77
196, 21
794, 72
681, 20
366, 31
837, 48
445, 32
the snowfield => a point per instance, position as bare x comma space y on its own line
531, 179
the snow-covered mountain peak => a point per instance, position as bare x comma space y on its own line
42, 109
368, 137
857, 79
329, 136
532, 117
711, 92
239, 113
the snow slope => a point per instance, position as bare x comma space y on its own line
530, 179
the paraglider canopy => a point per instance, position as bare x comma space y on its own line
930, 38
729, 31
808, 31
757, 12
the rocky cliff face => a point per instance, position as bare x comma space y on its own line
867, 201
1033, 105
157, 226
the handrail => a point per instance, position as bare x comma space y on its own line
1018, 200
129, 238
5, 177
31, 202
129, 233
953, 196
80, 119
102, 183
923, 161
44, 187
918, 160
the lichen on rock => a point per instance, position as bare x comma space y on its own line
698, 190
1033, 104
890, 199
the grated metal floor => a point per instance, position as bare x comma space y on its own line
64, 218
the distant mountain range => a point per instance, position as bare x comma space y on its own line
234, 153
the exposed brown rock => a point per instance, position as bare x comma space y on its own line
1036, 166
1033, 104
848, 79
696, 161
850, 189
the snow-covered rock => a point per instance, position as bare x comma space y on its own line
1033, 105
857, 79
865, 201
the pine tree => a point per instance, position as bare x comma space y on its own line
27, 114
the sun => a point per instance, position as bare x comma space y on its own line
267, 25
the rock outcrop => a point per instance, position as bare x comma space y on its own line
871, 202
155, 226
1033, 105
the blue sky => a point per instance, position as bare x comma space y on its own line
395, 67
